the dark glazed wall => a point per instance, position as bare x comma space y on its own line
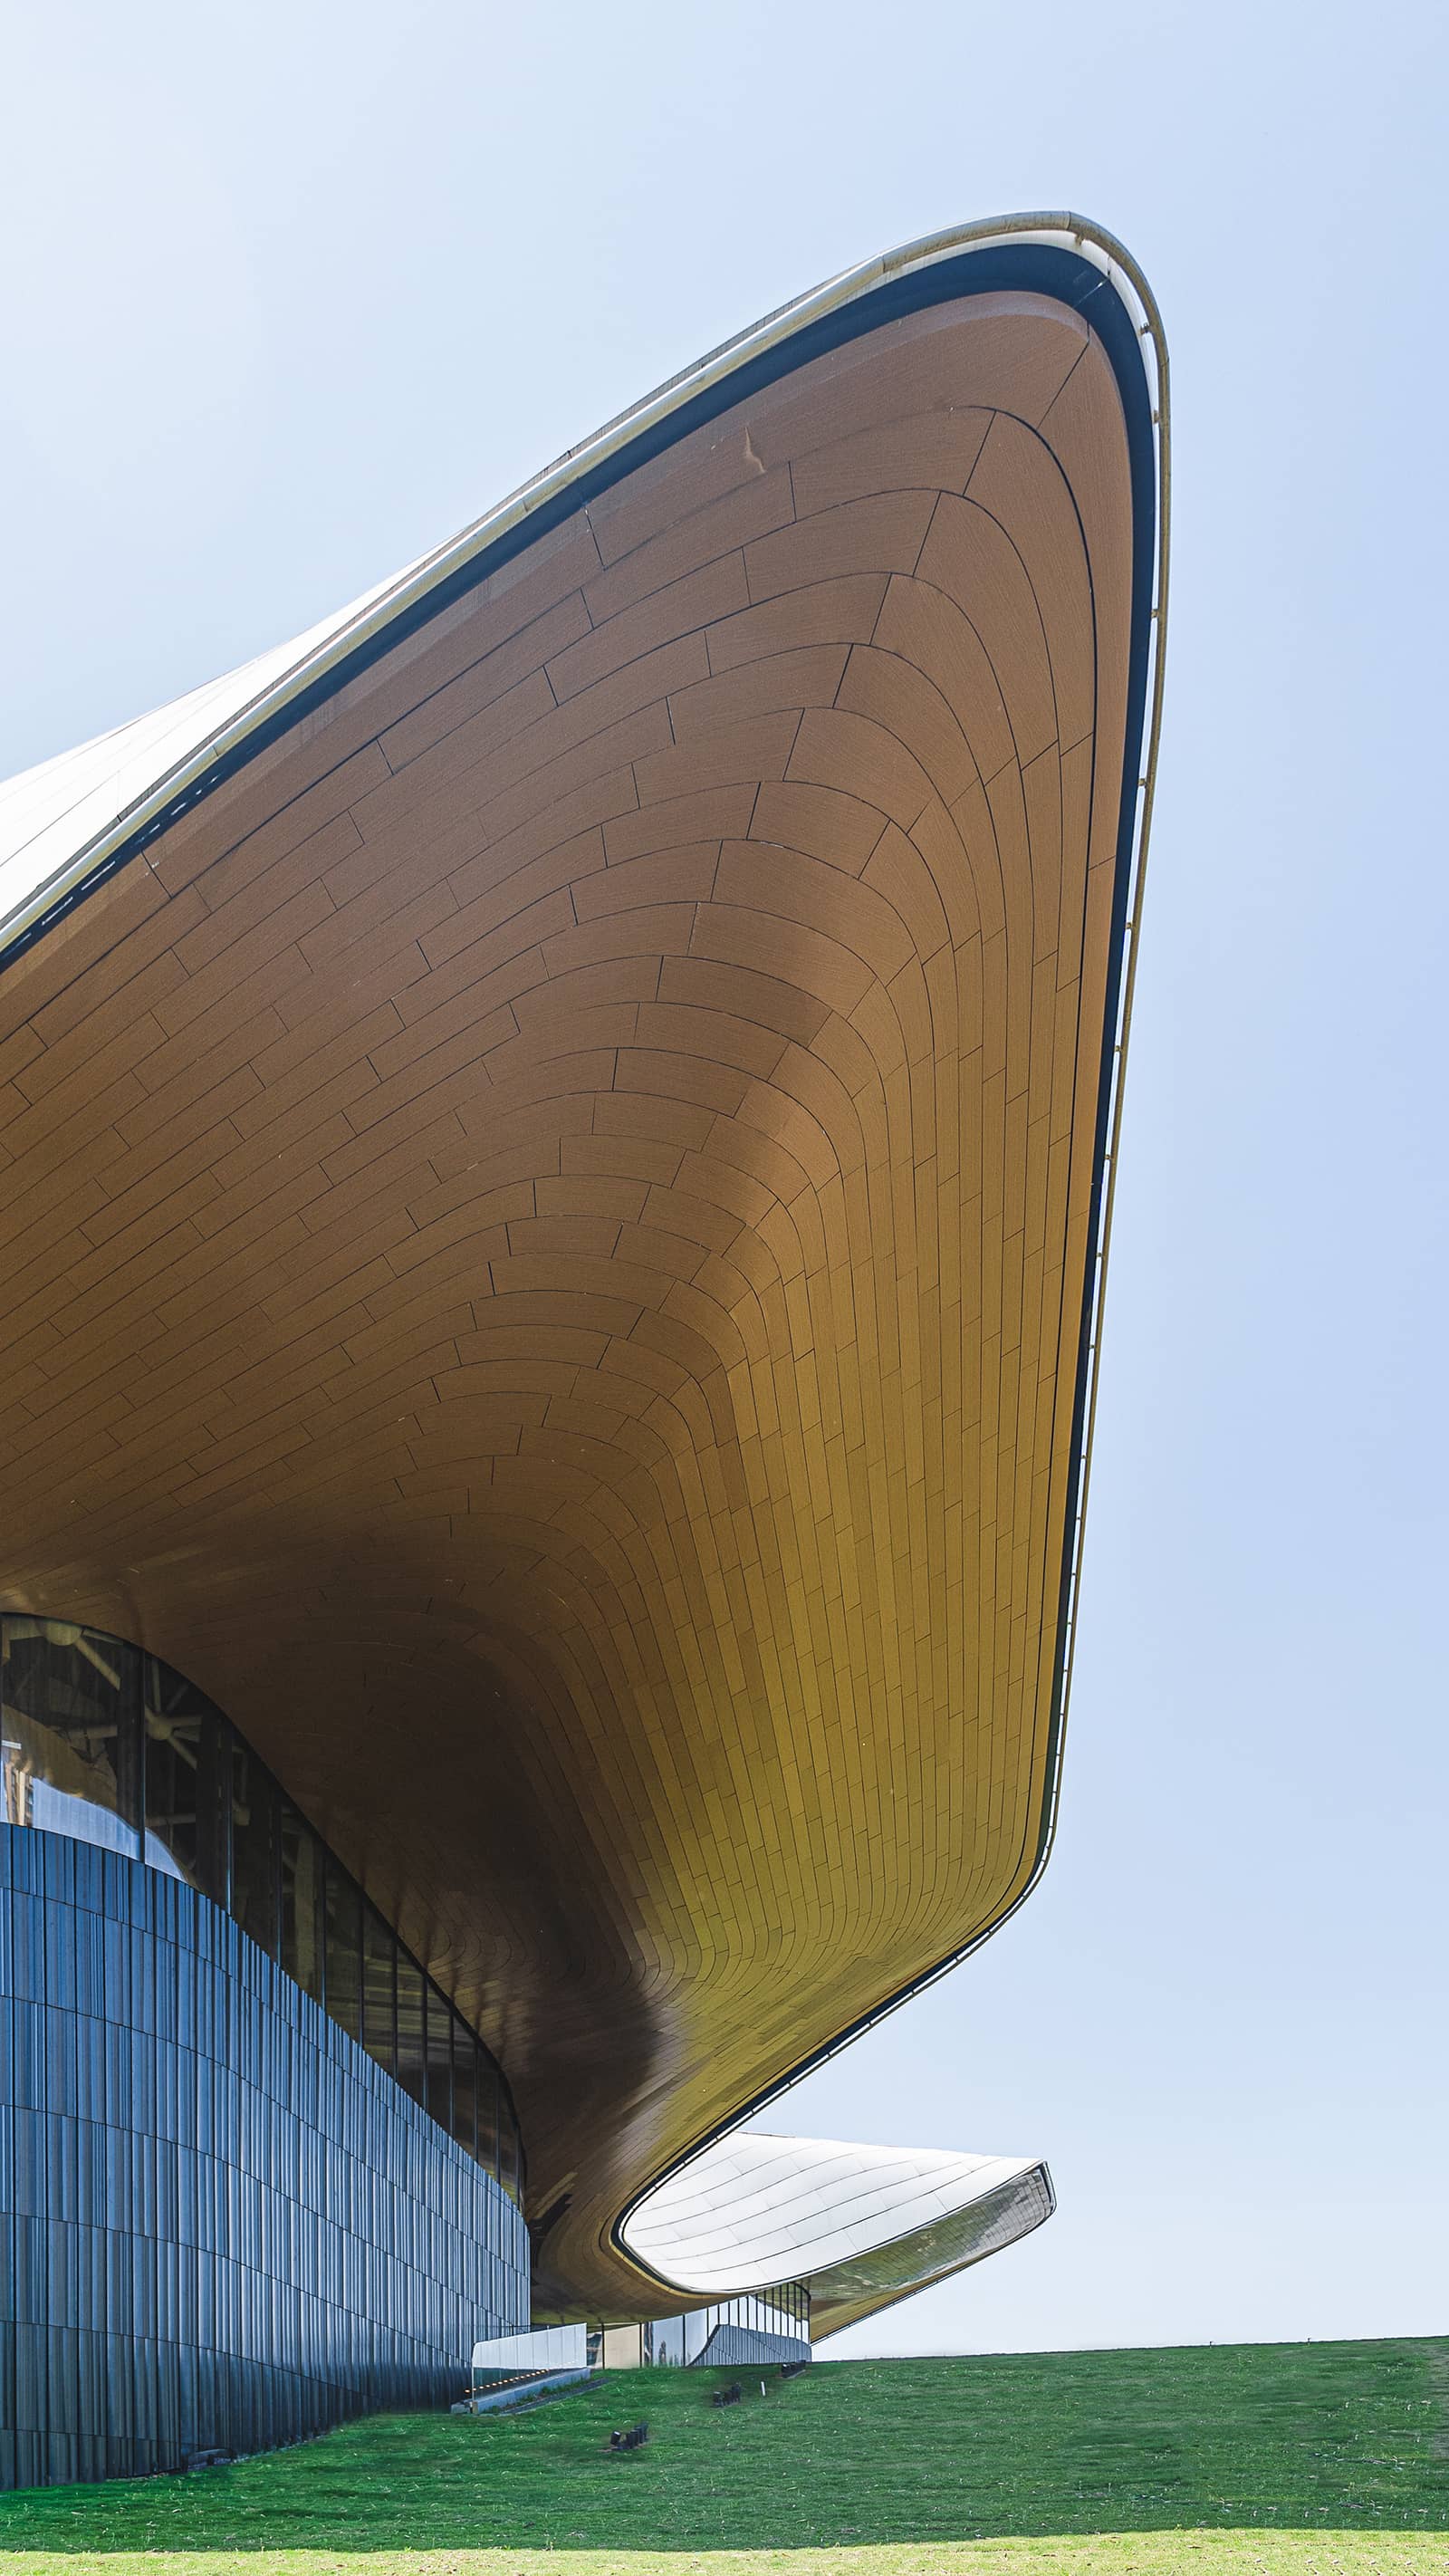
106, 1744
221, 2225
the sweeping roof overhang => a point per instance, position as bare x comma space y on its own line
554, 1141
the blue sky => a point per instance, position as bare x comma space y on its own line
289, 298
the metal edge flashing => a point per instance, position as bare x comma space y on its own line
1061, 255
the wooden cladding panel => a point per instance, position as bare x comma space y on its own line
545, 1227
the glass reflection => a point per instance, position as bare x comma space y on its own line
411, 2045
438, 2093
70, 1758
379, 1989
303, 1930
254, 1854
487, 2114
344, 1950
184, 1750
464, 2123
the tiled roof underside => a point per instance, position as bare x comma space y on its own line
545, 1227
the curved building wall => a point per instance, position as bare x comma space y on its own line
222, 2225
108, 1745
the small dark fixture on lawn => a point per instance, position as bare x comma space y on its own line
792, 2369
630, 2441
727, 2396
211, 2459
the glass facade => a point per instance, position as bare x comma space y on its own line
110, 1746
761, 2326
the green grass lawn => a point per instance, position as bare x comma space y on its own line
1310, 2459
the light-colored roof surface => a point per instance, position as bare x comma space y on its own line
755, 2210
49, 814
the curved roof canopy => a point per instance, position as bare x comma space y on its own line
554, 1137
861, 2226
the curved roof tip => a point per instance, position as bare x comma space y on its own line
67, 822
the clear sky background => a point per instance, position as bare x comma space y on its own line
292, 292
